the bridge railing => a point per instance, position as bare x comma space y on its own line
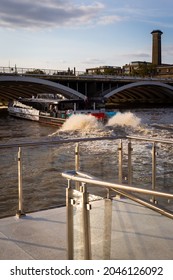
71, 73
39, 71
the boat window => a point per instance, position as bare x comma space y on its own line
79, 104
69, 105
45, 96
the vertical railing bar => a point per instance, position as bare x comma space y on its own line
153, 171
108, 193
20, 211
70, 230
130, 162
86, 224
77, 184
120, 158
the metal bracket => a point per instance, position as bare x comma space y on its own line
72, 201
88, 206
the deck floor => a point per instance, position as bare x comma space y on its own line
131, 232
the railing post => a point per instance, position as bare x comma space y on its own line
108, 196
20, 212
130, 162
86, 223
77, 184
70, 231
120, 158
77, 157
153, 171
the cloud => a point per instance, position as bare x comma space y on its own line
46, 13
138, 55
66, 13
93, 61
167, 53
109, 19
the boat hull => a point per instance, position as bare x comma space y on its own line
51, 121
34, 115
23, 113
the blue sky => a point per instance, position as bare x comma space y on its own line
58, 34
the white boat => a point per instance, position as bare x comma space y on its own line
20, 110
54, 109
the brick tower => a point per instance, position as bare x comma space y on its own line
156, 47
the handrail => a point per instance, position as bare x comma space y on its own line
39, 143
86, 178
51, 141
156, 140
39, 71
55, 141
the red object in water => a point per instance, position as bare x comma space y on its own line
100, 115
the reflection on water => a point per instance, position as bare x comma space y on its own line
42, 166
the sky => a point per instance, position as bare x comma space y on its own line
62, 34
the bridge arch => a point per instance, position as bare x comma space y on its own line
154, 92
11, 81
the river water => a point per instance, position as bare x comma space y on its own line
43, 185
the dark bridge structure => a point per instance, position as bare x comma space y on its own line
141, 94
116, 92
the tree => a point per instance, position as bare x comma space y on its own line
145, 70
35, 71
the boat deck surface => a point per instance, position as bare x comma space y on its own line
135, 232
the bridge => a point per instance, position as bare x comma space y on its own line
116, 91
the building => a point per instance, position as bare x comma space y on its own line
156, 47
155, 68
164, 71
136, 68
106, 70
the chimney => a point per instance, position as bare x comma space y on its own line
156, 47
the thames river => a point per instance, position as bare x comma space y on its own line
43, 185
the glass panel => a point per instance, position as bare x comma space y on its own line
81, 226
77, 226
8, 182
101, 224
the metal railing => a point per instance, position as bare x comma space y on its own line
126, 191
78, 194
82, 179
85, 178
14, 70
37, 144
38, 71
125, 165
154, 157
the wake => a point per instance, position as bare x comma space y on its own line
124, 119
88, 125
82, 122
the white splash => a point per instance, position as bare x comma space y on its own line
82, 122
124, 119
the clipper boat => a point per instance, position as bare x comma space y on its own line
54, 109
